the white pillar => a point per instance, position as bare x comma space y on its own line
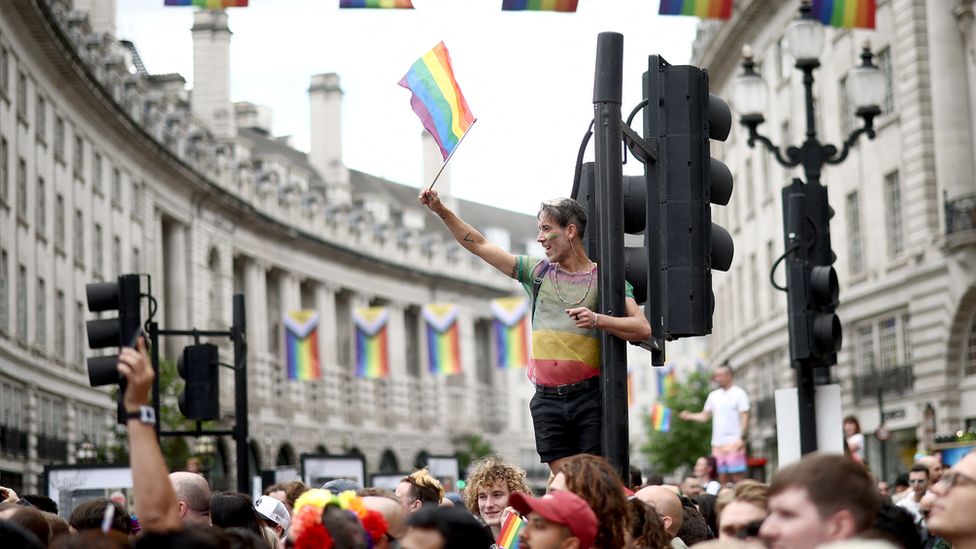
210, 98
325, 107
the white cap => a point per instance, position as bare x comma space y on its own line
273, 510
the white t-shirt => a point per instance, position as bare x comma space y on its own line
725, 406
855, 443
911, 505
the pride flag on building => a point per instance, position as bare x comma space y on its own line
508, 536
539, 5
208, 4
302, 345
443, 345
393, 4
511, 331
706, 9
437, 99
845, 13
372, 352
661, 418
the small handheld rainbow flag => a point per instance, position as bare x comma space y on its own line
393, 4
667, 381
714, 9
539, 5
437, 99
508, 536
372, 355
845, 13
511, 331
208, 4
443, 347
302, 345
661, 418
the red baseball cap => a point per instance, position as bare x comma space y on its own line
562, 507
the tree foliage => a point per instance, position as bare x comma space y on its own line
686, 441
475, 448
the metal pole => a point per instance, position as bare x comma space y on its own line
608, 186
154, 356
881, 421
239, 334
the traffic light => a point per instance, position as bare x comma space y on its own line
813, 290
122, 295
197, 366
683, 245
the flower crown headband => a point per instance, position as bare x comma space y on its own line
309, 532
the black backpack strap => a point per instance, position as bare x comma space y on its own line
537, 283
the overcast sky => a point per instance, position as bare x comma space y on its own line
527, 76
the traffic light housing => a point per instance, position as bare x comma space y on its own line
122, 295
683, 245
197, 366
813, 289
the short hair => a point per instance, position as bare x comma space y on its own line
32, 520
654, 479
457, 526
636, 478
895, 525
89, 514
92, 539
488, 472
745, 491
706, 507
57, 523
565, 212
821, 475
294, 490
234, 511
424, 487
857, 424
901, 480
919, 468
193, 490
191, 536
242, 538
693, 527
43, 503
646, 526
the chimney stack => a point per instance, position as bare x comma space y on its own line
325, 106
210, 98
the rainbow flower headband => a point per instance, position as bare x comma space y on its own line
307, 528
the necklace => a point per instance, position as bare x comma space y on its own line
555, 284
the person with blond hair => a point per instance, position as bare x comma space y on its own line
419, 489
490, 483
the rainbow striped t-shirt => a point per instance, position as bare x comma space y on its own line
561, 352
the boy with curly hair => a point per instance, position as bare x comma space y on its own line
490, 483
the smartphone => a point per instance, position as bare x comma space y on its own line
135, 337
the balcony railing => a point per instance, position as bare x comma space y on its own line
52, 449
13, 442
960, 213
893, 381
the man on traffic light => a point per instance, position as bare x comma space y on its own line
565, 362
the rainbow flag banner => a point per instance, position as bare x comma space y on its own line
512, 332
302, 345
437, 99
208, 4
372, 352
847, 14
661, 418
539, 5
508, 536
443, 348
667, 380
706, 9
394, 4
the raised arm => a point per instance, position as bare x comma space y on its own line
153, 492
468, 236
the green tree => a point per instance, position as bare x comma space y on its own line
686, 441
475, 449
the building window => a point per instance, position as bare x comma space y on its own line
40, 337
865, 349
846, 109
906, 337
755, 278
136, 260
21, 188
116, 256
40, 120
59, 139
40, 212
883, 62
483, 343
4, 71
79, 245
4, 292
59, 221
116, 188
969, 368
771, 257
12, 407
889, 339
137, 198
855, 251
888, 334
4, 170
98, 257
22, 303
78, 160
59, 323
80, 334
97, 173
896, 238
22, 96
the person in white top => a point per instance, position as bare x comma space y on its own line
918, 479
855, 440
728, 409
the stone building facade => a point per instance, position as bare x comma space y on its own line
903, 230
106, 169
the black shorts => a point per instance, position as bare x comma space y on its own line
567, 425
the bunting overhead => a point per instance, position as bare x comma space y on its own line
208, 4
539, 5
846, 14
705, 9
385, 4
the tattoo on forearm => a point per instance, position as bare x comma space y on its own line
442, 216
514, 270
467, 238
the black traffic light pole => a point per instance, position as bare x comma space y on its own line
608, 198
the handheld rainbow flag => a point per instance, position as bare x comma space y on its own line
393, 4
511, 331
661, 418
508, 536
372, 355
438, 101
208, 4
845, 13
302, 345
539, 5
443, 348
714, 9
667, 381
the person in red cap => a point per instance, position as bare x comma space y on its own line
559, 520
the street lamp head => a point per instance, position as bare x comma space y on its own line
805, 37
86, 452
750, 93
866, 86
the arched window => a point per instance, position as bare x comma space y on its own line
969, 366
286, 455
388, 462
